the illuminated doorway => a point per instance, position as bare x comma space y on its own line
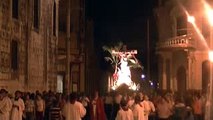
60, 83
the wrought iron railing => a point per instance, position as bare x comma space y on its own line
184, 41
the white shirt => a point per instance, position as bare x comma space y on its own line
131, 103
148, 107
164, 109
5, 108
40, 105
124, 115
73, 111
17, 112
138, 112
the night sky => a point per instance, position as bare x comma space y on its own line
126, 21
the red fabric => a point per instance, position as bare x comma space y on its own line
100, 114
115, 76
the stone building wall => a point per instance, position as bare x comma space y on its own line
36, 47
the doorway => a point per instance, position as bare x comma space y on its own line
181, 80
60, 79
205, 75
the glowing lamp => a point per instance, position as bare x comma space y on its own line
191, 19
142, 76
211, 56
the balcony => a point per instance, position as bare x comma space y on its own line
178, 42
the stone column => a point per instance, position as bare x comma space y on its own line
188, 79
68, 82
164, 73
56, 39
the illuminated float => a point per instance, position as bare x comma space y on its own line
122, 60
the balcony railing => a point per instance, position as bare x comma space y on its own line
184, 41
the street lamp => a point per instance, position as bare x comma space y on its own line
209, 13
191, 19
211, 56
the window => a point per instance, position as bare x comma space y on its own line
54, 19
14, 55
15, 9
36, 14
181, 25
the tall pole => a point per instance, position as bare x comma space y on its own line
148, 51
67, 83
27, 44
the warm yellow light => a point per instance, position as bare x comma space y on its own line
211, 56
210, 16
191, 19
209, 13
124, 76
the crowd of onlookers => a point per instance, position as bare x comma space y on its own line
111, 106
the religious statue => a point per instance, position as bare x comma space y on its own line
122, 60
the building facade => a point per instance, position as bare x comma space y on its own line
183, 46
41, 45
71, 52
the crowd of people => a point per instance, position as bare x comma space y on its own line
111, 106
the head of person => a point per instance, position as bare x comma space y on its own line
27, 96
38, 97
4, 92
73, 97
96, 94
17, 94
146, 97
1, 95
124, 105
137, 99
141, 95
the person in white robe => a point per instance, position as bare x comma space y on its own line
148, 107
18, 107
131, 101
5, 105
124, 113
73, 110
40, 107
164, 109
138, 109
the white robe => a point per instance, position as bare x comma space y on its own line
138, 112
17, 112
5, 108
73, 111
124, 115
148, 107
